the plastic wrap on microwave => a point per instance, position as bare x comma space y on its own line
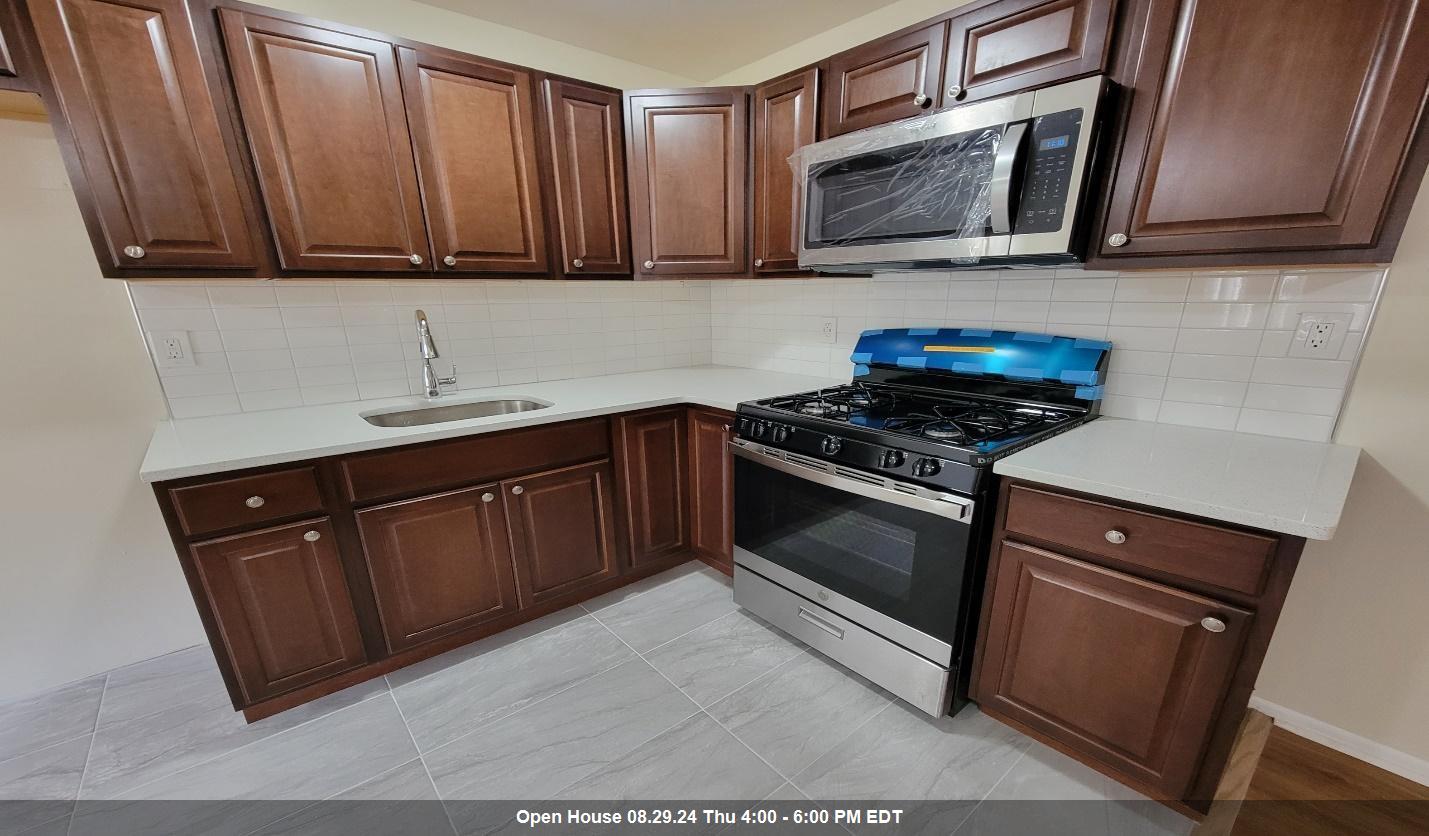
897, 182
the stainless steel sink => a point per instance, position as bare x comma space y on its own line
451, 412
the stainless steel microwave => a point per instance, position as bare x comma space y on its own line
998, 182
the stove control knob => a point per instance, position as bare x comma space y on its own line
890, 458
926, 467
757, 429
832, 445
780, 432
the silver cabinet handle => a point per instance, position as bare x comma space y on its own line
254, 501
921, 100
649, 265
518, 490
1116, 538
449, 261
488, 496
820, 623
758, 262
415, 259
1214, 625
134, 251
1117, 239
577, 263
955, 92
312, 536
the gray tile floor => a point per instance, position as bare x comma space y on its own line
661, 690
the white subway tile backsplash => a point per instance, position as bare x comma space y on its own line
1081, 313
312, 337
1219, 392
1137, 409
270, 399
1225, 315
231, 319
206, 405
301, 295
1330, 286
1141, 338
1305, 400
1084, 290
1232, 287
1212, 366
1151, 288
192, 385
1211, 416
337, 393
244, 339
1218, 341
237, 295
1286, 424
1294, 371
325, 375
266, 380
1147, 314
1139, 362
1285, 316
1276, 343
262, 360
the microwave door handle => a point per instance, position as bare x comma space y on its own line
1004, 171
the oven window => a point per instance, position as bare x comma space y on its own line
907, 564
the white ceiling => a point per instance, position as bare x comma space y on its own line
699, 39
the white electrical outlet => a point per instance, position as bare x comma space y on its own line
1321, 334
830, 331
172, 349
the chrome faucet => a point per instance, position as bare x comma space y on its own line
431, 383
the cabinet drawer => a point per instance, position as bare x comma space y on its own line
1234, 560
246, 501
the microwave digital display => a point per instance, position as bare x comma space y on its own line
1054, 142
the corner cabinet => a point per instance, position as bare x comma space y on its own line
1272, 132
689, 171
588, 167
786, 114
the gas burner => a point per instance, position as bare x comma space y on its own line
944, 431
821, 408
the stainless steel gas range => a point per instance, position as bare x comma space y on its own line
862, 512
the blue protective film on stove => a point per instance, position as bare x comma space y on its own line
1002, 354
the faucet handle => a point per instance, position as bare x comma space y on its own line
448, 381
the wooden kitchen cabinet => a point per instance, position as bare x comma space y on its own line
287, 618
711, 488
1011, 45
1268, 132
154, 158
652, 449
439, 564
563, 529
325, 120
885, 80
474, 127
785, 119
588, 166
689, 171
17, 70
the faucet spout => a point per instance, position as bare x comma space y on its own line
432, 382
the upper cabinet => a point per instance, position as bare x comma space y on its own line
588, 162
889, 79
785, 120
1012, 45
689, 180
475, 132
325, 119
1275, 128
150, 150
9, 46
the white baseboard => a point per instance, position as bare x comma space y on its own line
1400, 763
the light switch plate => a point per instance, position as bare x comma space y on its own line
172, 349
1321, 335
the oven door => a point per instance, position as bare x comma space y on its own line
889, 556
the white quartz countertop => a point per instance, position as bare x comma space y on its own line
200, 446
1277, 484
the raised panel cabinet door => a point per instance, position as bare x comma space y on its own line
785, 117
439, 564
1267, 126
1016, 45
688, 180
588, 146
475, 132
1125, 671
132, 89
563, 528
656, 477
8, 67
711, 486
883, 81
282, 606
324, 116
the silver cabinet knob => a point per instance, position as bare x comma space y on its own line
312, 536
1213, 624
415, 259
955, 92
649, 265
134, 251
921, 100
577, 263
518, 490
254, 501
449, 261
758, 262
1115, 537
1117, 239
488, 497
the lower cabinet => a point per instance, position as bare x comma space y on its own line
711, 488
282, 605
655, 483
439, 564
562, 525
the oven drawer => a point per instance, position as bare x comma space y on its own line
1230, 559
246, 501
900, 671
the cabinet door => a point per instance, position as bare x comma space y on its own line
282, 606
588, 146
688, 180
1123, 670
652, 452
148, 132
785, 112
563, 528
324, 116
892, 78
711, 487
1016, 45
9, 67
1258, 127
475, 131
439, 564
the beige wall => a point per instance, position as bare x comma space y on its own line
1352, 649
90, 579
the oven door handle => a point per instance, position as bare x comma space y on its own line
950, 506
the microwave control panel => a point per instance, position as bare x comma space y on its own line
1048, 176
